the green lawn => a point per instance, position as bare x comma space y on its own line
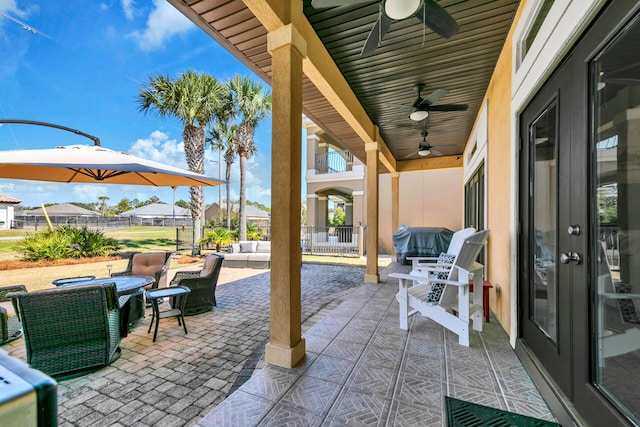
143, 239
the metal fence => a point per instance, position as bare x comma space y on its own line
101, 222
345, 241
334, 241
334, 161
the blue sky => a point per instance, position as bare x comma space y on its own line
82, 69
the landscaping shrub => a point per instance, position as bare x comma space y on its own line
66, 242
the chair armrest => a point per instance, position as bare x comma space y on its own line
181, 275
5, 290
196, 282
14, 297
121, 273
423, 258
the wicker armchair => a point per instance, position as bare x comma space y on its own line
69, 331
10, 327
202, 284
155, 264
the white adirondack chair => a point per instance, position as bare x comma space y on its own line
420, 266
437, 297
618, 320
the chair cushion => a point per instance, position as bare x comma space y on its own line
209, 264
147, 264
248, 247
8, 306
263, 248
259, 257
235, 248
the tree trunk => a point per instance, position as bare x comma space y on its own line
228, 177
243, 190
194, 137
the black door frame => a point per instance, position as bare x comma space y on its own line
584, 404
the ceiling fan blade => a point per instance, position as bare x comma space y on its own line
321, 4
448, 107
435, 96
376, 34
409, 155
435, 152
438, 19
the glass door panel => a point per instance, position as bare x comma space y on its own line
616, 246
542, 296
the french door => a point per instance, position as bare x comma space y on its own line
553, 225
579, 245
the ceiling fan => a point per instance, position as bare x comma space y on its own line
425, 149
428, 11
422, 106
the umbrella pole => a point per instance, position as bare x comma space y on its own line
46, 216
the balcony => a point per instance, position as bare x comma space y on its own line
334, 162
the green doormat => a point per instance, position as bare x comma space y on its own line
467, 414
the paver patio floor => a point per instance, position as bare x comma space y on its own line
180, 378
361, 369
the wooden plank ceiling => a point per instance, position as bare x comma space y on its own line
409, 54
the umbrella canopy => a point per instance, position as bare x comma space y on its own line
95, 164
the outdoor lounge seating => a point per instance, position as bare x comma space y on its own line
249, 254
10, 327
69, 330
437, 298
202, 284
154, 264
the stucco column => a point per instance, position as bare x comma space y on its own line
322, 212
348, 213
312, 202
286, 346
395, 204
359, 208
372, 275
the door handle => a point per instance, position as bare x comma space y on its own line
574, 230
573, 257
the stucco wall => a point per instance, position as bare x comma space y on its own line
499, 186
421, 202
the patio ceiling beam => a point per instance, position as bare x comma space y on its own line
320, 68
431, 163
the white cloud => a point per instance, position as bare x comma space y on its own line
163, 23
159, 148
89, 193
128, 8
10, 7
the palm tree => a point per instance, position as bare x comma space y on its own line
194, 98
252, 106
222, 136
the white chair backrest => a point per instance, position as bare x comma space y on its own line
458, 239
470, 250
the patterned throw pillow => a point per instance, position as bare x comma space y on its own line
436, 288
627, 307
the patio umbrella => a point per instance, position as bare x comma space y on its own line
95, 164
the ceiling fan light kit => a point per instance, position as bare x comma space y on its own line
424, 153
401, 9
419, 115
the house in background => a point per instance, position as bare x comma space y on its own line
63, 209
334, 174
255, 215
158, 210
7, 211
